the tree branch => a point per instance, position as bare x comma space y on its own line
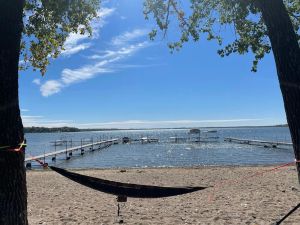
167, 18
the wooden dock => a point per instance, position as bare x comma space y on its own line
147, 140
142, 140
193, 139
266, 144
178, 139
69, 151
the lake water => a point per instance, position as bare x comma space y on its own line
165, 153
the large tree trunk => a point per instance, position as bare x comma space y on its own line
287, 57
13, 193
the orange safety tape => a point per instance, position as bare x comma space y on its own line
221, 184
9, 148
21, 147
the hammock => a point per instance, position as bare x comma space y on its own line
125, 189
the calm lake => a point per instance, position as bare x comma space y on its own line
166, 153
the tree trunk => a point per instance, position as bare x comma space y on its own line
287, 57
13, 193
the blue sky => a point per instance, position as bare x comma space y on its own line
121, 79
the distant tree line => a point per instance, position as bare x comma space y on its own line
74, 129
50, 130
62, 129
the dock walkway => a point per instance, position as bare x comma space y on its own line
273, 144
73, 149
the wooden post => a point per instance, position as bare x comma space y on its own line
92, 144
200, 136
44, 157
81, 149
66, 149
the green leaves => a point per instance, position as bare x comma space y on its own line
47, 24
196, 18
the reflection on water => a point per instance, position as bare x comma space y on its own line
166, 153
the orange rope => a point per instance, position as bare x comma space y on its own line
20, 147
221, 184
44, 165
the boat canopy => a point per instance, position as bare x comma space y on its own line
194, 131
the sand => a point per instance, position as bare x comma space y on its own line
53, 199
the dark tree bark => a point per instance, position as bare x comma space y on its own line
287, 57
13, 193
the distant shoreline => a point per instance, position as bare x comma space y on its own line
74, 129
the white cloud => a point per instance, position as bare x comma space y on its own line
129, 36
105, 12
122, 52
105, 63
73, 43
51, 87
37, 81
29, 121
87, 72
175, 123
21, 62
76, 48
31, 117
40, 121
24, 110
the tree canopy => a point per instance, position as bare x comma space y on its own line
47, 24
209, 17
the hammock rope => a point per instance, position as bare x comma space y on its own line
288, 214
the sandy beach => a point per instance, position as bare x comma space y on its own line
236, 198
